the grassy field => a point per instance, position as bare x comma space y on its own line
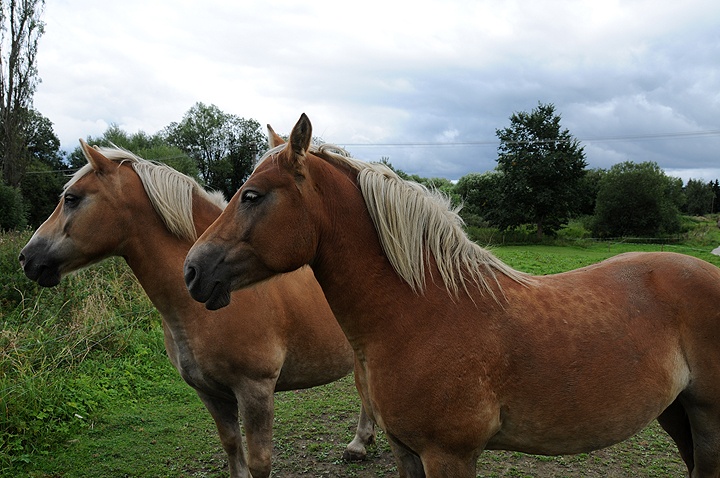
87, 391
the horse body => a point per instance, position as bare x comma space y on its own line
280, 335
531, 372
559, 364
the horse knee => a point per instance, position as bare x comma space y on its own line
260, 471
260, 463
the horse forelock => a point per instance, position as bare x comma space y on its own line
170, 192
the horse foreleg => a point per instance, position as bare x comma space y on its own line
225, 414
257, 409
408, 462
438, 464
364, 436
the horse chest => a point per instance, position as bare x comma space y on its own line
196, 373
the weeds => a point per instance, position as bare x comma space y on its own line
46, 337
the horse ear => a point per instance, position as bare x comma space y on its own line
96, 159
273, 138
300, 137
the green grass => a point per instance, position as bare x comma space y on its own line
545, 259
86, 389
157, 429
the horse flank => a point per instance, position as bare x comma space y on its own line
169, 191
412, 220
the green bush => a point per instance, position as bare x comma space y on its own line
13, 210
576, 229
13, 281
637, 200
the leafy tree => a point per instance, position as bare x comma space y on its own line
20, 30
44, 176
42, 142
542, 166
40, 187
224, 146
588, 189
480, 196
699, 197
154, 148
637, 200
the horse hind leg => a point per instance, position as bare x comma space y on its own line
364, 436
676, 423
705, 425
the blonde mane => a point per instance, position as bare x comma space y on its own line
169, 191
414, 222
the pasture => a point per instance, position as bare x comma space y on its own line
87, 390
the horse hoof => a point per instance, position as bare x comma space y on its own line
352, 456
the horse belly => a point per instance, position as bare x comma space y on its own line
581, 413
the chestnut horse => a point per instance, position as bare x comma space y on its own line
280, 335
456, 352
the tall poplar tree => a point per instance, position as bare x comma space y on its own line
20, 30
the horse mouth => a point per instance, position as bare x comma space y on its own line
38, 264
44, 275
49, 278
219, 297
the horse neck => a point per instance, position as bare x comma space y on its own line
156, 258
359, 282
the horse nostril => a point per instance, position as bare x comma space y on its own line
190, 274
21, 258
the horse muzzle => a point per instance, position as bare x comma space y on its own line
38, 264
202, 278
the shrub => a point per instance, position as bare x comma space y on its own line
13, 210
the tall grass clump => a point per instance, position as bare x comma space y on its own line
58, 345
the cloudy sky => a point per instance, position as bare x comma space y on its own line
424, 83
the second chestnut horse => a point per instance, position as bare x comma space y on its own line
280, 335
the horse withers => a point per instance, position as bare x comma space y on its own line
457, 352
280, 335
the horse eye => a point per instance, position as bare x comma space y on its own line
249, 196
71, 200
